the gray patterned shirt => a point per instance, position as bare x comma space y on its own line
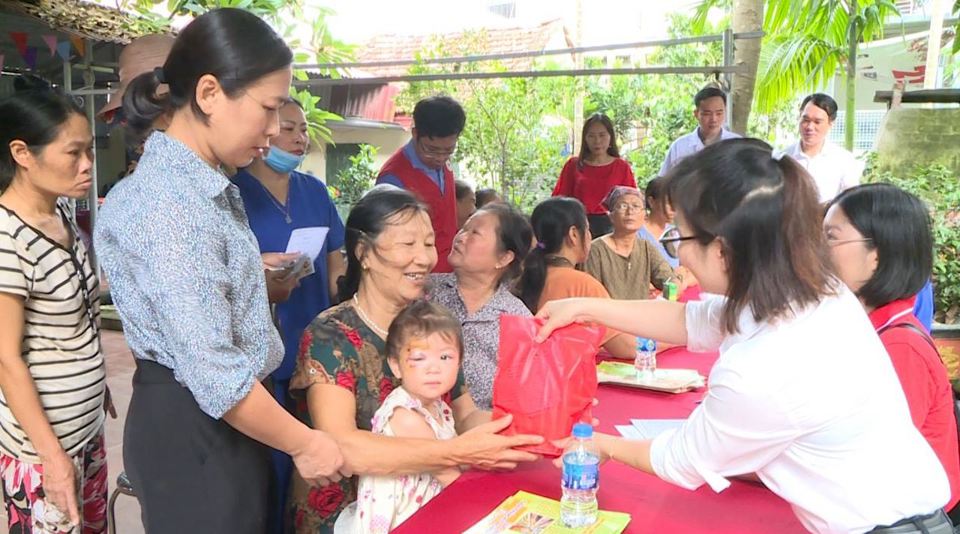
185, 273
481, 332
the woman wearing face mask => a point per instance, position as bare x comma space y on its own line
279, 200
186, 275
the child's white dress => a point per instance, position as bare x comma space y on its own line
383, 502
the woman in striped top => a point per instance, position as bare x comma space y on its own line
52, 374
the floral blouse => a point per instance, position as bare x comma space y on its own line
339, 348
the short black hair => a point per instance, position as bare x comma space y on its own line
34, 114
897, 224
234, 45
655, 194
767, 215
462, 189
822, 101
709, 91
486, 196
439, 116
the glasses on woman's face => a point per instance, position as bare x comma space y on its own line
671, 241
625, 207
832, 242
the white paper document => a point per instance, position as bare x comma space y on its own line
308, 241
629, 432
651, 428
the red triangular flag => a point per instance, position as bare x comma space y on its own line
51, 41
30, 58
20, 39
78, 43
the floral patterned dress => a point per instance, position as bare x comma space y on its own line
383, 502
339, 349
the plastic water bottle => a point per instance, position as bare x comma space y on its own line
646, 362
581, 479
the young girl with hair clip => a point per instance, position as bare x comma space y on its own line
424, 349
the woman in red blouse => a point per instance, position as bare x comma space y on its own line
598, 169
881, 247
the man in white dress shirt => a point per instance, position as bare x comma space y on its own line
710, 110
833, 168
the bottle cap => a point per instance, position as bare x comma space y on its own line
582, 430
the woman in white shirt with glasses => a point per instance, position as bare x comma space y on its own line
803, 395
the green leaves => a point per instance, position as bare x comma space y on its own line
317, 118
354, 180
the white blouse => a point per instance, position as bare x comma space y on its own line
813, 406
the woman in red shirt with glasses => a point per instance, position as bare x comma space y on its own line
881, 247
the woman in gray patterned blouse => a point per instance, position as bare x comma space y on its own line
188, 280
487, 257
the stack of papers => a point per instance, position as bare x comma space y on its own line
648, 428
526, 512
667, 380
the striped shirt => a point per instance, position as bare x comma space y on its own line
61, 340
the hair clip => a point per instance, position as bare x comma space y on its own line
159, 75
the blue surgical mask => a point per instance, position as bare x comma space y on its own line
281, 160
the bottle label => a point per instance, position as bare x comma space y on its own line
580, 476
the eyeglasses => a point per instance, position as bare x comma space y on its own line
835, 242
434, 152
624, 208
671, 241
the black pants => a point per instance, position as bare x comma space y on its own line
191, 473
600, 224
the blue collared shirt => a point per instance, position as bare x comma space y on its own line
435, 175
186, 275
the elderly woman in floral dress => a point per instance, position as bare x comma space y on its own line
342, 375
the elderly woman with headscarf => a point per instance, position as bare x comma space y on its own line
622, 261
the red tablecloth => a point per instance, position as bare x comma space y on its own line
654, 505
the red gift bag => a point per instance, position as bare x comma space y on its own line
549, 386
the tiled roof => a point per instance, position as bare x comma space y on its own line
85, 19
390, 47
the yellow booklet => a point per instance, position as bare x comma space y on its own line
533, 514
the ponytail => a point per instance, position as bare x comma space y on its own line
764, 211
551, 220
142, 106
232, 45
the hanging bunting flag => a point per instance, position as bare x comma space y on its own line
20, 39
63, 50
78, 43
51, 41
30, 58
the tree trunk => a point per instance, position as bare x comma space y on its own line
747, 17
850, 113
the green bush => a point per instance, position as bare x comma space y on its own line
939, 187
356, 179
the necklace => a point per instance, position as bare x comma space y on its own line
284, 208
379, 331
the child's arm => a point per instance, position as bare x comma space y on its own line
410, 424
